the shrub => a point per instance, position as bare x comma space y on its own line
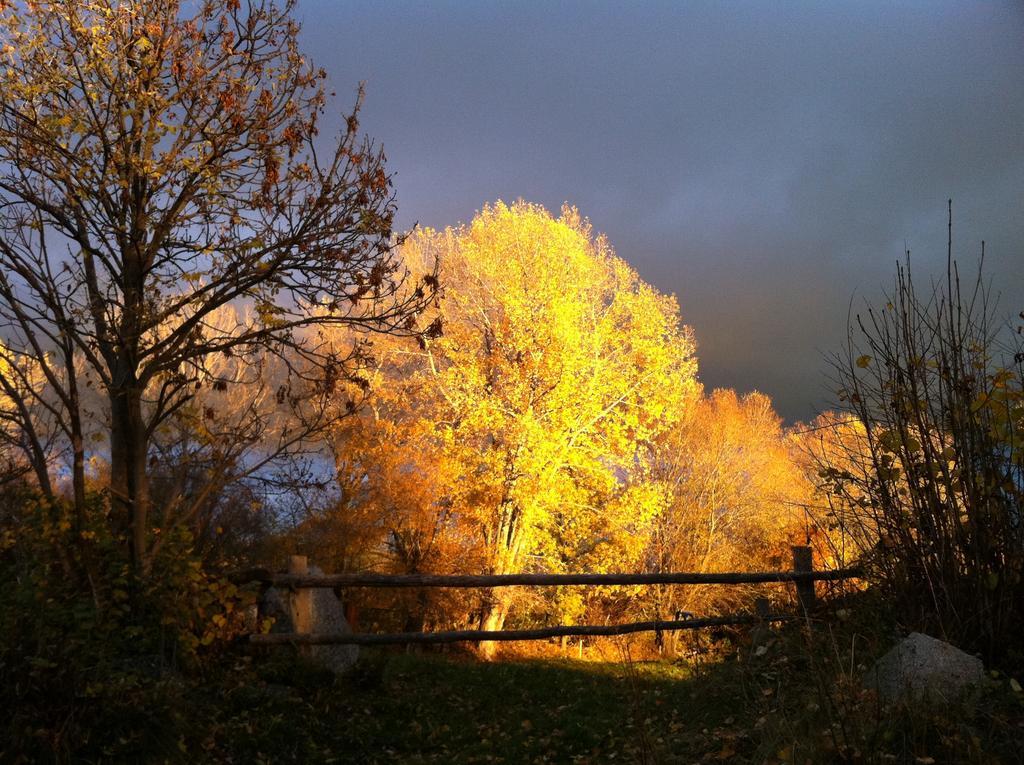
938, 385
91, 658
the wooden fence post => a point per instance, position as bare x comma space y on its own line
762, 607
761, 633
803, 561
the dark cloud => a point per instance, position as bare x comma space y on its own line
765, 162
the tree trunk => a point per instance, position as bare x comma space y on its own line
77, 441
78, 477
415, 619
507, 544
129, 486
493, 619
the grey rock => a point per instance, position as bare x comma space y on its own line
921, 668
316, 610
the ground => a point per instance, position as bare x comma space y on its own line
438, 709
776, 707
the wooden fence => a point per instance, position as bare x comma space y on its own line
802, 576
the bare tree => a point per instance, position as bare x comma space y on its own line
158, 164
936, 381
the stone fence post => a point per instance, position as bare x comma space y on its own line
301, 598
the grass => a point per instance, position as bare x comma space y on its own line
437, 709
789, 705
797, 699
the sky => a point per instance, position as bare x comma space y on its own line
766, 162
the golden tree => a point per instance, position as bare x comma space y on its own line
736, 497
20, 377
834, 454
556, 368
158, 162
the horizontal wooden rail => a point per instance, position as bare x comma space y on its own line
530, 580
458, 636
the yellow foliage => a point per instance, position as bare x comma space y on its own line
525, 423
21, 380
737, 496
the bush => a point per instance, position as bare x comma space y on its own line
938, 385
91, 658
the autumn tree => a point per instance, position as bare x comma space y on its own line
161, 161
834, 457
556, 368
734, 498
19, 377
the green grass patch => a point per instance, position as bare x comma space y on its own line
427, 708
789, 705
798, 700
